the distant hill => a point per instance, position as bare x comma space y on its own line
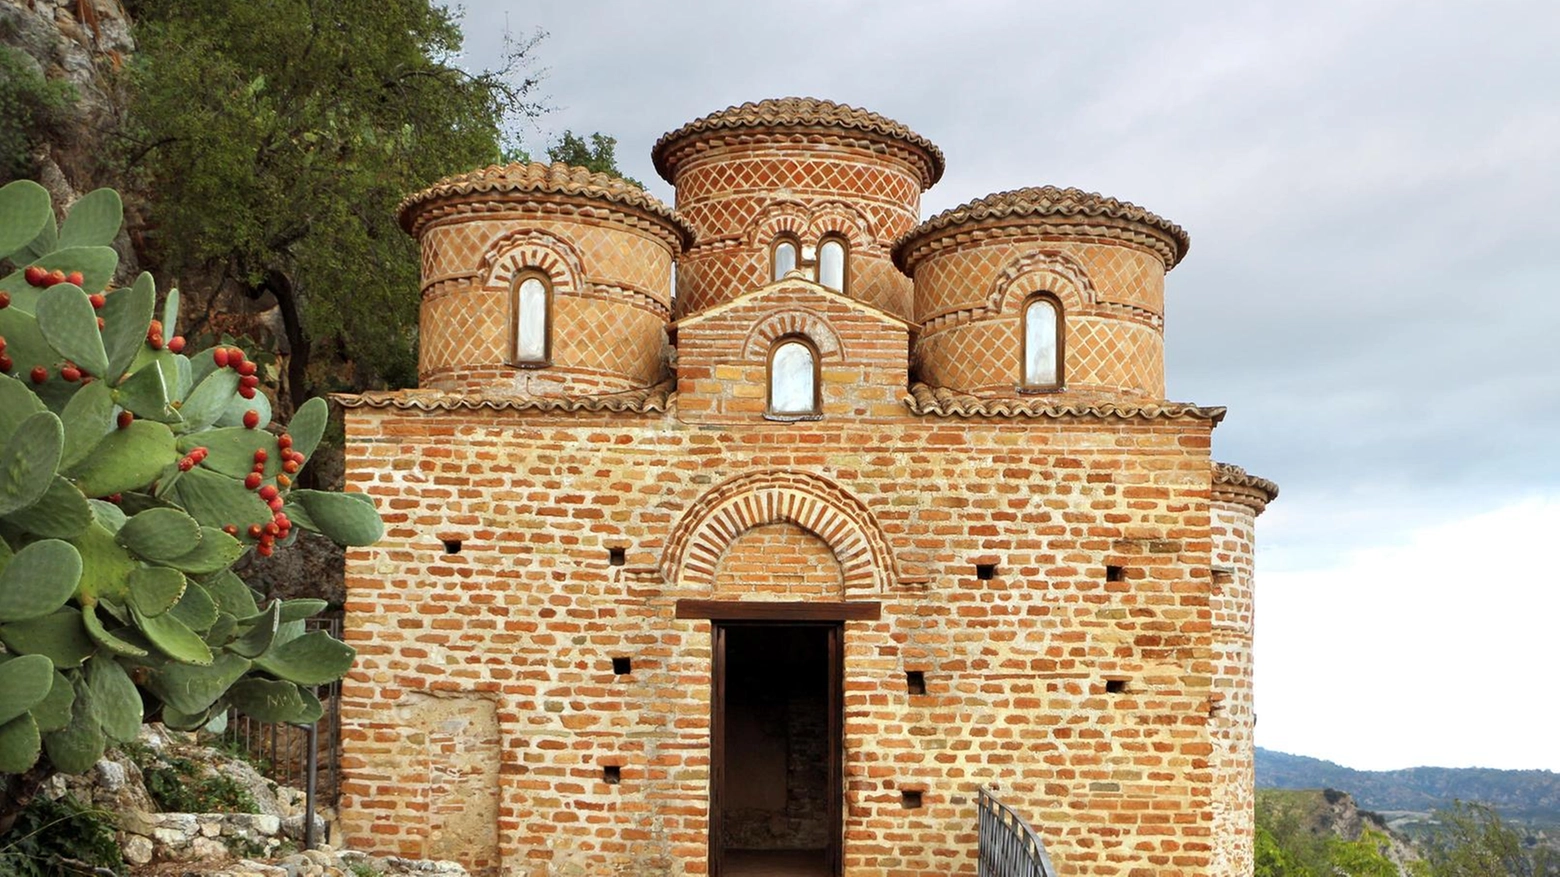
1525, 795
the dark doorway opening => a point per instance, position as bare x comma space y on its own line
775, 800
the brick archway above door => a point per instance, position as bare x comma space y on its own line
816, 504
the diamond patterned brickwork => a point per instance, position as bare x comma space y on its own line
970, 299
611, 300
1232, 717
531, 613
738, 196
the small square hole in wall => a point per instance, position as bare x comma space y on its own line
622, 666
1115, 686
617, 556
451, 546
985, 571
1115, 573
915, 681
911, 799
611, 774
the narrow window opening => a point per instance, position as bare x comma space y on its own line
985, 571
793, 379
1115, 686
622, 666
451, 546
784, 257
1115, 573
831, 264
911, 799
1042, 344
915, 681
532, 316
617, 556
611, 774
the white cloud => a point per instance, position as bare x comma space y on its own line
1441, 650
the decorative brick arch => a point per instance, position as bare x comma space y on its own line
840, 218
531, 250
1053, 272
809, 501
793, 321
777, 218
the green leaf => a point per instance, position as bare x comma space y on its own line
69, 323
216, 500
109, 641
60, 637
88, 417
24, 683
76, 747
106, 567
61, 513
345, 518
232, 595
306, 607
308, 425
231, 450
42, 244
170, 313
258, 638
155, 589
126, 460
216, 551
38, 580
145, 392
28, 461
17, 403
312, 659
107, 515
238, 406
172, 637
191, 689
211, 397
267, 701
115, 699
96, 265
127, 314
24, 208
94, 220
160, 534
19, 744
53, 712
196, 609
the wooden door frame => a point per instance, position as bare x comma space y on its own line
835, 644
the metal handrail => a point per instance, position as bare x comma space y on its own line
1009, 847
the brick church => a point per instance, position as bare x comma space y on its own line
759, 535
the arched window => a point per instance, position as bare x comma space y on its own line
532, 311
832, 270
793, 379
784, 256
1042, 343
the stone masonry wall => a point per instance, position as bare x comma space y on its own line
529, 613
1232, 717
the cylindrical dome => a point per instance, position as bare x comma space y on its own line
543, 280
796, 173
1042, 290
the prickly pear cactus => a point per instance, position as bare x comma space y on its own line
133, 473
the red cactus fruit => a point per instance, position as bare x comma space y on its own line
115, 498
251, 419
290, 467
75, 277
219, 355
5, 299
260, 455
35, 276
39, 374
235, 357
98, 300
101, 324
249, 381
271, 527
124, 419
55, 277
199, 453
284, 441
268, 493
230, 529
246, 368
2, 343
252, 480
176, 344
186, 464
255, 531
5, 363
276, 504
264, 550
247, 392
70, 373
284, 481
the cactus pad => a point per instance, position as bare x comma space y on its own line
38, 580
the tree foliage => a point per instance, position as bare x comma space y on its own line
277, 138
599, 155
1471, 840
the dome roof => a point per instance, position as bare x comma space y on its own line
1043, 202
797, 112
542, 179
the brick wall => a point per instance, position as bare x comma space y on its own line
529, 614
1232, 718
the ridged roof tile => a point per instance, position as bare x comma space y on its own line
943, 402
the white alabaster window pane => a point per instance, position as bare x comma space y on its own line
785, 259
1040, 344
831, 265
531, 331
791, 388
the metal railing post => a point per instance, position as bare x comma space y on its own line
311, 765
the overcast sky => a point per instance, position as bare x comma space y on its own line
1371, 192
